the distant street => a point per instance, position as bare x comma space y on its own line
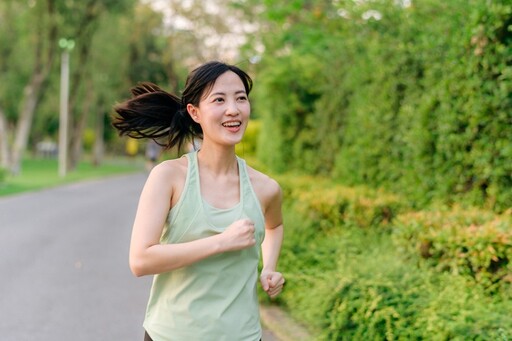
64, 264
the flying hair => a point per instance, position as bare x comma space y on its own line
153, 113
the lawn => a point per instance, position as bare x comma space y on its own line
40, 173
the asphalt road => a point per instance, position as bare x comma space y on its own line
64, 264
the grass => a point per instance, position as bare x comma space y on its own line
40, 173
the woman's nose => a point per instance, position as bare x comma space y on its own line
232, 108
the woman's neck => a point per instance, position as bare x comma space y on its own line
218, 160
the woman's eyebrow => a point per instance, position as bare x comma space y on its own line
220, 93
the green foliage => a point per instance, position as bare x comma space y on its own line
285, 103
330, 205
250, 141
145, 48
465, 241
3, 175
88, 138
17, 21
351, 277
392, 304
415, 99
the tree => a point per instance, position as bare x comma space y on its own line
81, 20
149, 45
42, 15
29, 45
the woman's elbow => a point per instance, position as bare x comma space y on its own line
137, 266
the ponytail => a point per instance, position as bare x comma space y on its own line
155, 114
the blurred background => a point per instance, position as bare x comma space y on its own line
388, 124
415, 96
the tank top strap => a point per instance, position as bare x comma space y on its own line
244, 176
192, 191
192, 161
247, 194
192, 185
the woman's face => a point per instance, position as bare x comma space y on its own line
224, 111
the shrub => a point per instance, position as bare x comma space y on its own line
353, 284
319, 200
285, 99
393, 304
349, 281
471, 242
416, 101
249, 143
89, 138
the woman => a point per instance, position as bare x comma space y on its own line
202, 218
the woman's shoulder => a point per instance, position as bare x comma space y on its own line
178, 165
264, 186
167, 179
170, 171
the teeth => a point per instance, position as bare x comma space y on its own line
231, 124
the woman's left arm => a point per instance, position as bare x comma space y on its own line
271, 280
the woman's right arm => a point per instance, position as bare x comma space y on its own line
148, 256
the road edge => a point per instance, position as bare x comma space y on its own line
283, 326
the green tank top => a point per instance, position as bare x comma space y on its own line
214, 299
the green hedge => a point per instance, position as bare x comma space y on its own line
329, 204
406, 304
417, 101
466, 241
353, 275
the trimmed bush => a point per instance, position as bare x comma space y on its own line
415, 99
410, 305
351, 277
339, 204
465, 241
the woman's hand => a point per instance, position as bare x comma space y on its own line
239, 235
272, 282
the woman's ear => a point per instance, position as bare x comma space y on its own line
193, 112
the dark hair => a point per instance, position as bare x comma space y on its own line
154, 113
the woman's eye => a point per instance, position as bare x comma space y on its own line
242, 98
218, 100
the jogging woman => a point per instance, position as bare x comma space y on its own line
203, 219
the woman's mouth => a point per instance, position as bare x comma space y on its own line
232, 126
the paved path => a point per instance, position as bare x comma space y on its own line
63, 264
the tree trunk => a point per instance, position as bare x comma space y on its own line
99, 143
34, 89
4, 148
77, 133
78, 121
24, 124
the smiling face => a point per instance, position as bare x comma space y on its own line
223, 111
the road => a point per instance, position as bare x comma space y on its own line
63, 264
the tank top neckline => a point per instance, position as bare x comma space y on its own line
205, 204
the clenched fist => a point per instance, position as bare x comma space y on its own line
272, 282
239, 235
